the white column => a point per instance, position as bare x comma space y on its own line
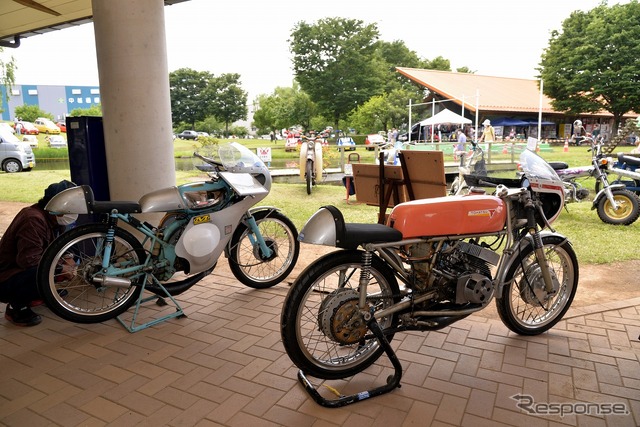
134, 90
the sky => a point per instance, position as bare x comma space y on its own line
498, 38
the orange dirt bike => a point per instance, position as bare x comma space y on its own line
435, 262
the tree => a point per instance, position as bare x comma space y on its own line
285, 107
592, 64
381, 112
94, 110
189, 100
264, 117
388, 56
437, 63
227, 99
30, 113
7, 74
332, 62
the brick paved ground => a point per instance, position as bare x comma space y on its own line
225, 365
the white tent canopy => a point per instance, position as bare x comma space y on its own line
445, 116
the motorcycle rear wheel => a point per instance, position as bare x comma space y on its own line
321, 309
518, 306
628, 208
246, 260
309, 175
76, 298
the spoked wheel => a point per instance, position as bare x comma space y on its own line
525, 307
323, 330
67, 271
246, 260
628, 208
309, 175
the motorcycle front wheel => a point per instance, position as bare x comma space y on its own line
309, 175
519, 306
628, 208
70, 292
322, 329
248, 263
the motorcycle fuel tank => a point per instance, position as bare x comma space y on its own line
448, 216
164, 200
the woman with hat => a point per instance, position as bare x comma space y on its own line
488, 133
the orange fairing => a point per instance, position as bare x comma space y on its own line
446, 216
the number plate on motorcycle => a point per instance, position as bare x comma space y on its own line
243, 183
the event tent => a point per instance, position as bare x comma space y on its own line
443, 117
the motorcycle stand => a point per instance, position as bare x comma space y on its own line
393, 381
160, 301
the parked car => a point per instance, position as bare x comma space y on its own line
62, 126
203, 134
27, 128
373, 140
56, 141
347, 142
32, 140
15, 155
46, 126
7, 127
188, 134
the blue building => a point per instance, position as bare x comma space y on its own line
57, 100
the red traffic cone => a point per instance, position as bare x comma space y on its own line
505, 150
566, 146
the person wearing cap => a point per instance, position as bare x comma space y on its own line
21, 248
488, 133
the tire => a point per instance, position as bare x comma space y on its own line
627, 212
77, 299
316, 292
309, 175
11, 166
248, 264
518, 307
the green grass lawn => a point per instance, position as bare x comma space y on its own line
594, 241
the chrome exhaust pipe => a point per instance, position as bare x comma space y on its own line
118, 282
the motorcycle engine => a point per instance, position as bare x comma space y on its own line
461, 270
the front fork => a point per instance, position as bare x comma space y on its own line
606, 189
538, 247
255, 237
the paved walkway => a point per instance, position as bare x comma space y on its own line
225, 365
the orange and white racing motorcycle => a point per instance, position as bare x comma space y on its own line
435, 262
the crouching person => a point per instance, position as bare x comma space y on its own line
21, 248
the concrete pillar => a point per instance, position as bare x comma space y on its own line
134, 90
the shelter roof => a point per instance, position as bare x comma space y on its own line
493, 93
25, 18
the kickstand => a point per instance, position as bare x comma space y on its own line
160, 301
393, 381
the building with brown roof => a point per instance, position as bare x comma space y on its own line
507, 102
